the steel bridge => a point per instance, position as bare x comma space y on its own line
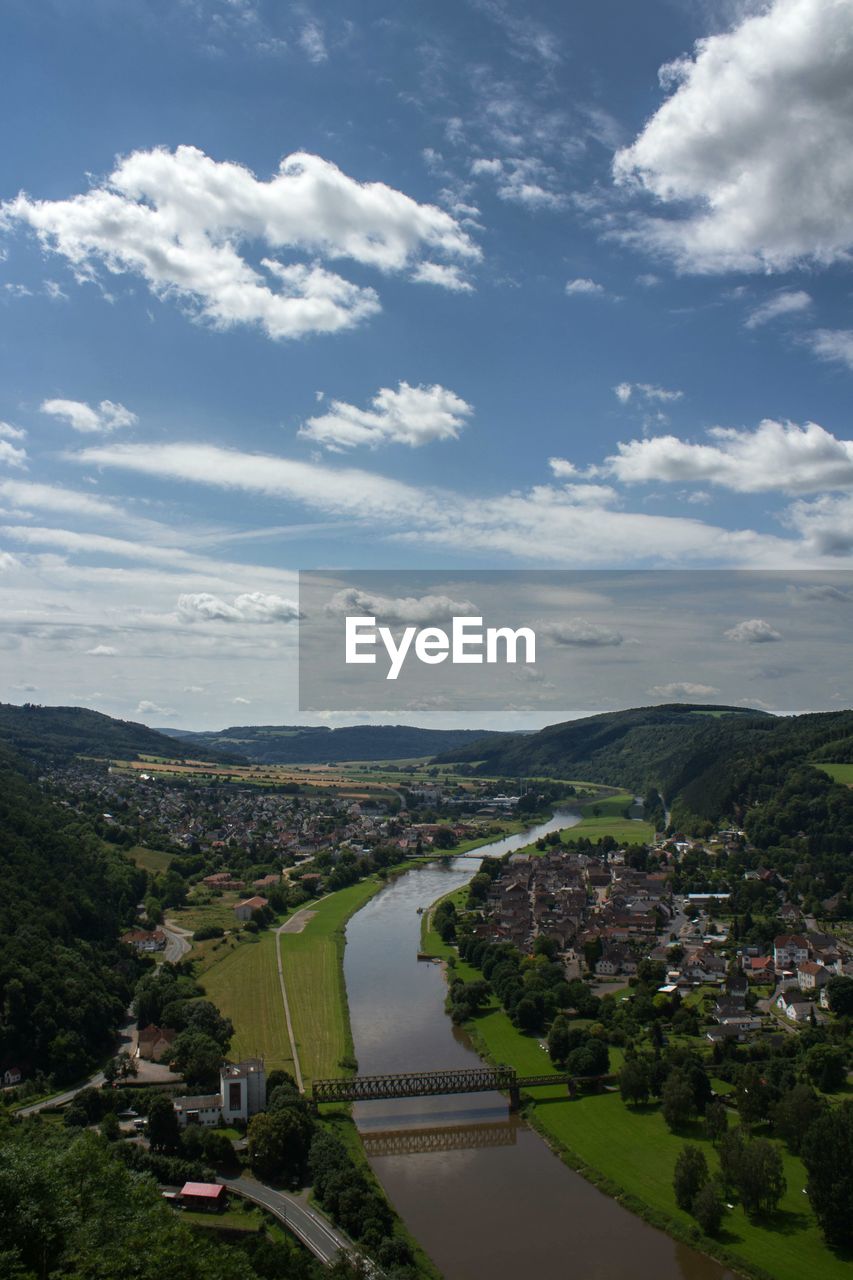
428, 1084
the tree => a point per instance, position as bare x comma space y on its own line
634, 1084
825, 1067
110, 1128
761, 1177
840, 994
795, 1113
753, 1095
731, 1149
197, 1057
677, 1100
559, 1039
716, 1120
163, 1129
592, 953
827, 1153
279, 1142
708, 1208
691, 1173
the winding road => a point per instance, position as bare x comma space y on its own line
318, 1235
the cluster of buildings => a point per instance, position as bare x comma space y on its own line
242, 1094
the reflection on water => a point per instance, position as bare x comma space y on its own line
483, 1193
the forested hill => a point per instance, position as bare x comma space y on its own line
295, 744
708, 762
57, 732
65, 981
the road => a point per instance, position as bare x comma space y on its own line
178, 942
307, 1225
127, 1041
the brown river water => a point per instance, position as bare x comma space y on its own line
478, 1189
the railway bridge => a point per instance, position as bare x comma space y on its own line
427, 1084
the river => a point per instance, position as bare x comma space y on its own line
481, 1191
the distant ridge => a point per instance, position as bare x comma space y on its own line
57, 732
295, 744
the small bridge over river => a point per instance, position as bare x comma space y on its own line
430, 1084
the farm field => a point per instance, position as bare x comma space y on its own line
838, 772
241, 978
604, 816
153, 860
313, 975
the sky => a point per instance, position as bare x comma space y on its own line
455, 285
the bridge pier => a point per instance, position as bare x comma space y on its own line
514, 1098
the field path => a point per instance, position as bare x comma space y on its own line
295, 924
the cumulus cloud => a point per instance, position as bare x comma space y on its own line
179, 220
146, 708
683, 689
583, 286
415, 610
8, 561
755, 141
11, 456
833, 345
253, 606
410, 415
82, 417
788, 302
8, 432
102, 651
825, 524
582, 634
775, 456
753, 631
447, 275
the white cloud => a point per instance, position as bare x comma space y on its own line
410, 415
753, 631
825, 524
542, 524
834, 345
787, 302
417, 610
146, 708
755, 141
10, 456
253, 606
523, 180
8, 561
775, 456
624, 391
312, 42
562, 467
584, 286
193, 688
683, 689
8, 432
102, 651
178, 219
82, 417
583, 634
447, 275
242, 702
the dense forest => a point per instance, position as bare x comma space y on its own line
295, 744
710, 763
65, 981
59, 732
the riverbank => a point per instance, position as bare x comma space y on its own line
629, 1153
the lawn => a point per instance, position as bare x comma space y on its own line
153, 860
314, 976
838, 772
241, 978
633, 1149
204, 908
604, 816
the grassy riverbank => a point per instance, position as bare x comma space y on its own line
313, 963
630, 1153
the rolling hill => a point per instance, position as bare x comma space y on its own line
295, 744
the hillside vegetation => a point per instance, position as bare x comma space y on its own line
708, 766
65, 980
60, 732
295, 744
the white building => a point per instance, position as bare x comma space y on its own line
242, 1094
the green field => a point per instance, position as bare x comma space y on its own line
153, 860
314, 977
838, 772
631, 1152
243, 983
604, 816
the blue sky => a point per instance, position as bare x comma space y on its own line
423, 285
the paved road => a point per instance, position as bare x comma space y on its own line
127, 1041
318, 1235
178, 942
